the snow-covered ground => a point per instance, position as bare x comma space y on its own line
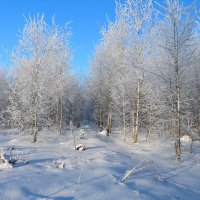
56, 171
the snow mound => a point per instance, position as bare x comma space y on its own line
103, 133
186, 139
186, 142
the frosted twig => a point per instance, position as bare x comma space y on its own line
130, 172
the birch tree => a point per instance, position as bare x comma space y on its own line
73, 100
138, 16
58, 69
101, 91
177, 38
38, 44
104, 65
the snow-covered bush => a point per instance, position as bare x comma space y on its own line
4, 160
59, 164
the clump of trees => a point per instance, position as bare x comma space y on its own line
43, 91
145, 73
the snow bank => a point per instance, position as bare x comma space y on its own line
103, 133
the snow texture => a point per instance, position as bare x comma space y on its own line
52, 172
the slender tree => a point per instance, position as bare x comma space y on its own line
177, 31
138, 16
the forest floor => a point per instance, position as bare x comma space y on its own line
98, 172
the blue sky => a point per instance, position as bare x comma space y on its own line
87, 17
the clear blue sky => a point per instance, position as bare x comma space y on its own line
87, 16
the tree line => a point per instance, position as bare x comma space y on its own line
144, 75
145, 71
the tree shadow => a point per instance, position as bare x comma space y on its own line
63, 198
35, 161
144, 180
33, 196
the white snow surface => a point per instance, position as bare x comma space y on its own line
97, 172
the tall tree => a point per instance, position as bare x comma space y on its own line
138, 16
38, 44
177, 31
